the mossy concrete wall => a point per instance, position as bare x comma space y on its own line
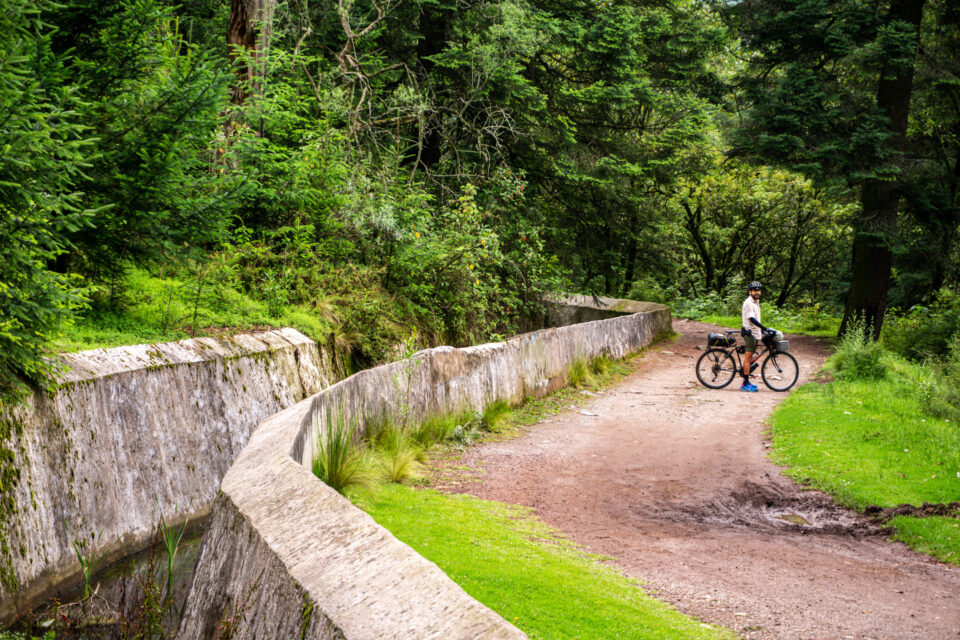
295, 559
132, 432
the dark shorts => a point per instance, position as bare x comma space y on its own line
750, 343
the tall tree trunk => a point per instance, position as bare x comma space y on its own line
249, 29
872, 250
948, 230
632, 250
435, 26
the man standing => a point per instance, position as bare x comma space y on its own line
750, 317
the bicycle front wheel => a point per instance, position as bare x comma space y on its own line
780, 371
716, 368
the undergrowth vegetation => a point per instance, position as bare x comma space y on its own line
178, 305
924, 331
391, 452
858, 357
810, 315
338, 461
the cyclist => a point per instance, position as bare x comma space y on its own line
751, 331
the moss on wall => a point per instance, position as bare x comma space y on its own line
10, 429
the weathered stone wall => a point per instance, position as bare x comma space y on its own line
578, 309
133, 431
281, 543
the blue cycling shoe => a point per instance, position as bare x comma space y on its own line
747, 386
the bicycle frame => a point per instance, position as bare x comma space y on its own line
739, 349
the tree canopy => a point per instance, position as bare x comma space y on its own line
435, 167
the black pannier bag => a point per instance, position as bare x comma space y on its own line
720, 340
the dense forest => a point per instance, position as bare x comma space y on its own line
428, 170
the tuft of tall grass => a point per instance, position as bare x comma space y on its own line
495, 415
434, 429
580, 374
603, 365
171, 538
397, 454
340, 461
89, 560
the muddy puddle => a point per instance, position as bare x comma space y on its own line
780, 509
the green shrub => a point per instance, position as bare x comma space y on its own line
858, 357
43, 160
646, 289
340, 461
467, 427
924, 331
939, 390
710, 303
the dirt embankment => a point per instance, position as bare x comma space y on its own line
672, 480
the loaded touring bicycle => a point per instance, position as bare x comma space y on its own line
722, 361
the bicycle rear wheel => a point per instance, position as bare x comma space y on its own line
780, 371
716, 368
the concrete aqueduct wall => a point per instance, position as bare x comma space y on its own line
285, 556
131, 431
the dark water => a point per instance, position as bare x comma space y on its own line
117, 609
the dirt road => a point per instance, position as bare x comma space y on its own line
672, 480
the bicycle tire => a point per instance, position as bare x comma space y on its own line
716, 369
783, 373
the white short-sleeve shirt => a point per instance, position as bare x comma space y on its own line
751, 309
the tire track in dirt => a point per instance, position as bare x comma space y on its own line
672, 480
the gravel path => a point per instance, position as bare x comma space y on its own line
672, 480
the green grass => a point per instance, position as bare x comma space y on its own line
871, 443
340, 461
495, 415
812, 323
155, 309
396, 453
580, 374
526, 572
435, 429
938, 536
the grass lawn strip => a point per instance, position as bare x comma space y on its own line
936, 535
516, 565
819, 326
872, 443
